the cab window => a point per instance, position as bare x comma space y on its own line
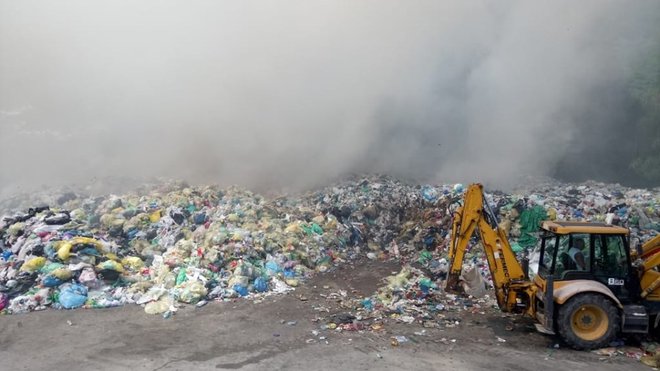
573, 254
610, 258
548, 249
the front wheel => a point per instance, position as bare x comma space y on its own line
588, 321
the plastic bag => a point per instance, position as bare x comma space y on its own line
181, 276
430, 194
272, 268
238, 280
61, 273
132, 262
51, 281
260, 284
293, 228
155, 216
33, 264
192, 292
240, 289
153, 294
88, 278
49, 267
158, 307
64, 251
473, 282
4, 300
110, 265
72, 295
90, 246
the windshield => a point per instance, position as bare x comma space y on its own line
548, 249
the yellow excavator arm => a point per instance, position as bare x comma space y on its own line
513, 290
650, 276
651, 247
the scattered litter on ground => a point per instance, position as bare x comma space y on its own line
398, 340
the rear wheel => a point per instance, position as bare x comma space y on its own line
588, 321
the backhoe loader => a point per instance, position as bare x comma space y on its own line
589, 288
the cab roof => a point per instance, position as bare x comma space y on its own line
582, 227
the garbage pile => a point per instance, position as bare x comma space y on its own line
425, 236
173, 243
179, 244
411, 296
637, 209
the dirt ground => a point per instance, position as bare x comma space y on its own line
276, 333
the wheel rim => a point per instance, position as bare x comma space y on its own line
589, 322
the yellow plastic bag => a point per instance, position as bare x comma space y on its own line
155, 216
111, 256
291, 282
111, 265
64, 251
64, 248
15, 228
132, 262
62, 273
33, 264
192, 291
157, 307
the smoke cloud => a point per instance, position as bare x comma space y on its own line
293, 93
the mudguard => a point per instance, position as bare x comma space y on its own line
568, 289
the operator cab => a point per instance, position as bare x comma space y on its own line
588, 251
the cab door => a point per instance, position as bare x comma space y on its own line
611, 265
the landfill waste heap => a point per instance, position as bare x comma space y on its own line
164, 245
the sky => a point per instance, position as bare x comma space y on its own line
291, 94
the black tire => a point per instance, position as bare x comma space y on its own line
578, 303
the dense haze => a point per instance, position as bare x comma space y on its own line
293, 93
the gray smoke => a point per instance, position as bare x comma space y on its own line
292, 93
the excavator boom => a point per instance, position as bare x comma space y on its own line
513, 290
651, 247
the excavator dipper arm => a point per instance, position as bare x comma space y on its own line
508, 276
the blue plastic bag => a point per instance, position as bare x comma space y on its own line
272, 268
51, 281
260, 284
72, 295
6, 255
429, 193
289, 273
199, 218
241, 290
